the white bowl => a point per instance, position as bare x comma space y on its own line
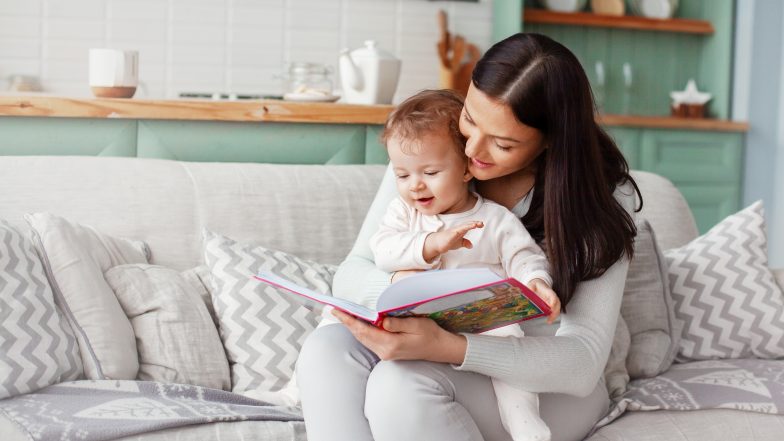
563, 5
654, 8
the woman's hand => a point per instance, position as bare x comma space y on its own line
543, 290
405, 273
411, 338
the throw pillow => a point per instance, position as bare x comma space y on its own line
262, 328
175, 336
725, 295
201, 279
648, 310
75, 257
37, 346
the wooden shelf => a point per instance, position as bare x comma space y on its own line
671, 122
688, 26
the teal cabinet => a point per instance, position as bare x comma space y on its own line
20, 136
706, 167
280, 143
198, 141
689, 156
628, 140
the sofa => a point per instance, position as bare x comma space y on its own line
313, 212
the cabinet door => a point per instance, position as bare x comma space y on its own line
705, 166
628, 140
281, 143
67, 136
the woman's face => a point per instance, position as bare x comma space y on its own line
497, 143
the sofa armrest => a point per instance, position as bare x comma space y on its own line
779, 275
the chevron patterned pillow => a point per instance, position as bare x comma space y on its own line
37, 345
725, 296
261, 328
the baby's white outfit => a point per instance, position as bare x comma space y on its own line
502, 245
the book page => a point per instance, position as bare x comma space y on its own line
341, 304
429, 284
480, 309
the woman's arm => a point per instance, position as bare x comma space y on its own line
357, 278
570, 362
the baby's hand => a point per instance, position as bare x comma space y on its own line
454, 238
543, 290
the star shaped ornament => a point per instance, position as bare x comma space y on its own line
690, 95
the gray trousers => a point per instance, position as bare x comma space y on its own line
348, 394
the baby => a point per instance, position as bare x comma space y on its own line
437, 222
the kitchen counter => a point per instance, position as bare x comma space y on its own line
279, 111
195, 110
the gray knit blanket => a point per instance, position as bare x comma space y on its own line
744, 384
107, 409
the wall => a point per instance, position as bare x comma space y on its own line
759, 98
224, 45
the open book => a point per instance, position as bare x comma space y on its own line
469, 300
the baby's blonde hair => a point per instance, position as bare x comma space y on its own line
426, 112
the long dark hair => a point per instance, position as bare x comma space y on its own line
573, 214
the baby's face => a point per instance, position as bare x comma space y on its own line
431, 175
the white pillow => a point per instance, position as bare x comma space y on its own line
725, 296
262, 329
175, 336
37, 346
75, 258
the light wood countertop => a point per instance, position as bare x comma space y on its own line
278, 111
188, 109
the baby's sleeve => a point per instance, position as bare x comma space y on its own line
520, 255
396, 246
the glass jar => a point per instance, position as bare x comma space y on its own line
309, 78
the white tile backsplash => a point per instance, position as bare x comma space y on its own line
20, 8
76, 29
19, 27
142, 31
225, 45
20, 48
137, 9
90, 9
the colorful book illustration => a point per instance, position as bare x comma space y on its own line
469, 300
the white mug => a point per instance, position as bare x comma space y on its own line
114, 73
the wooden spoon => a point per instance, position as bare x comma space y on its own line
458, 53
444, 28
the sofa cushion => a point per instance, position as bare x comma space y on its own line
175, 336
261, 327
647, 308
37, 345
725, 295
75, 257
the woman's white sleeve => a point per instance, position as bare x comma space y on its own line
357, 278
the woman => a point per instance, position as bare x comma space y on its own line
535, 148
